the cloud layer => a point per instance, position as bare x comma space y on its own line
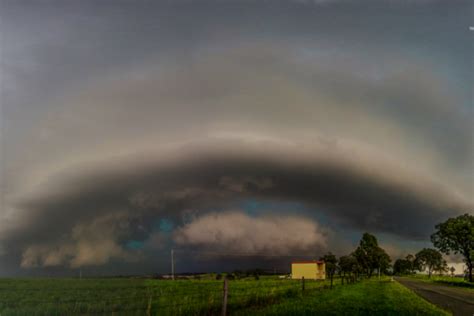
173, 112
346, 184
236, 232
92, 243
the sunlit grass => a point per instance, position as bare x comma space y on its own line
139, 296
370, 297
446, 280
267, 295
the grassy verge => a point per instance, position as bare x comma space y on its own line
365, 298
445, 280
267, 296
140, 297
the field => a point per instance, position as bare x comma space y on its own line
370, 297
266, 296
445, 280
138, 296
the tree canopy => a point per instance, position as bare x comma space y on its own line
431, 260
457, 235
405, 266
348, 267
401, 267
331, 265
370, 256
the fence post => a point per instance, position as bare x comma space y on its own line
224, 297
302, 284
148, 309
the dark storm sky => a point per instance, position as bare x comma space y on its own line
283, 127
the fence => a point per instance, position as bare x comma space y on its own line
177, 297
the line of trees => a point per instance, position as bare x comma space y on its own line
427, 259
367, 259
456, 235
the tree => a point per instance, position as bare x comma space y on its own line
330, 261
457, 235
370, 256
430, 259
405, 266
452, 269
348, 268
382, 260
401, 267
442, 268
365, 253
411, 260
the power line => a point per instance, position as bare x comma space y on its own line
247, 254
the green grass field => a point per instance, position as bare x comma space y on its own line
138, 296
445, 280
267, 296
369, 297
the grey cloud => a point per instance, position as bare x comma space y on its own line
270, 91
293, 88
234, 231
339, 106
89, 243
348, 186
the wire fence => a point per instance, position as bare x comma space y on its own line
167, 298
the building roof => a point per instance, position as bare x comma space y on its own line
308, 261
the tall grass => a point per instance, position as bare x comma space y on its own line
139, 297
267, 296
445, 280
369, 297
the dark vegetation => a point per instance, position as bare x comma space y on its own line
456, 235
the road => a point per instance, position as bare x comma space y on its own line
458, 301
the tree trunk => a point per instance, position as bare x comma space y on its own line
469, 270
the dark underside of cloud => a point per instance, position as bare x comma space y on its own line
160, 120
85, 216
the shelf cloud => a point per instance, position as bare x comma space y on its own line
237, 232
161, 130
95, 208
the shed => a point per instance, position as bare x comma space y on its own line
310, 270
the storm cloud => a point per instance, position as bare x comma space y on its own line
348, 186
239, 233
164, 129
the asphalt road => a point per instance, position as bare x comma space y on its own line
458, 301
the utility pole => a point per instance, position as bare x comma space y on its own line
172, 263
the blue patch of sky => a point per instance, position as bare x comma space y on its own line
134, 244
166, 225
163, 225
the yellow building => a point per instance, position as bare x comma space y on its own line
310, 270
